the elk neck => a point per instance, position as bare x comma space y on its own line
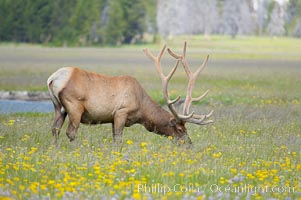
154, 117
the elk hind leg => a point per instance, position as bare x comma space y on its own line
59, 118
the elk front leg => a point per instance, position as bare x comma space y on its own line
118, 125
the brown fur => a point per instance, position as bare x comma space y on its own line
91, 98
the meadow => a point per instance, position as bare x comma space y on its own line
251, 151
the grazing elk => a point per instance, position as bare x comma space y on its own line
91, 98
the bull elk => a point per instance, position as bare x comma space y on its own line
91, 98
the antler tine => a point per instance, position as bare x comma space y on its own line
201, 119
200, 97
177, 56
197, 119
156, 60
164, 79
182, 58
165, 92
201, 67
173, 54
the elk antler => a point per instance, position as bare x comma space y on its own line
165, 80
192, 118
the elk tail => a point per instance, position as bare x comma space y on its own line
53, 95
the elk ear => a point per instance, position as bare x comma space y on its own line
172, 122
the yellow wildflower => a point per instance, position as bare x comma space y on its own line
11, 122
136, 195
129, 142
143, 144
233, 170
217, 155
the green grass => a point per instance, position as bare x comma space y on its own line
254, 143
250, 47
257, 146
26, 67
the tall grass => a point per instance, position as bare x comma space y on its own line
250, 152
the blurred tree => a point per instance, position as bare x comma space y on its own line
246, 24
297, 30
210, 16
60, 31
231, 16
134, 13
293, 18
150, 16
6, 19
80, 22
293, 10
85, 21
276, 24
75, 21
125, 21
12, 19
262, 15
36, 20
114, 27
165, 21
237, 18
193, 17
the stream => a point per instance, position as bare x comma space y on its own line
16, 106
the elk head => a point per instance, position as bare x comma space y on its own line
178, 121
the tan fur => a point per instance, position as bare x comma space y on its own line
91, 98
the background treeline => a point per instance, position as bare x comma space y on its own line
88, 22
231, 17
69, 22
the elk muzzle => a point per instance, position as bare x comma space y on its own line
184, 140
